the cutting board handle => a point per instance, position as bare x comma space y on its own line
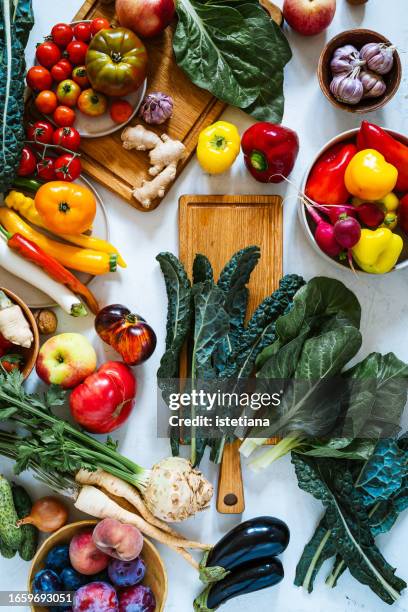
230, 498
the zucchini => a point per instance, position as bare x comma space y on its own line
9, 532
6, 551
29, 533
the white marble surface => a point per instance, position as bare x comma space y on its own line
141, 236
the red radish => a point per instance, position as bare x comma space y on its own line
334, 212
324, 234
347, 231
369, 214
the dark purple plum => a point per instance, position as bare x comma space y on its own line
96, 597
58, 558
137, 599
46, 581
71, 579
126, 573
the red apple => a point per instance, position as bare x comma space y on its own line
309, 17
84, 555
66, 360
145, 17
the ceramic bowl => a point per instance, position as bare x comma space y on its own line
358, 38
30, 354
308, 224
155, 578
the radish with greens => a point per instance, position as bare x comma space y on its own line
370, 215
347, 231
324, 234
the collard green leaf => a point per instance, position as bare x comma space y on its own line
235, 51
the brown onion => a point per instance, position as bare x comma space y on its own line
47, 514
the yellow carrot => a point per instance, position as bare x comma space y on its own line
83, 260
25, 206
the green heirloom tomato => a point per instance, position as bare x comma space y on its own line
116, 62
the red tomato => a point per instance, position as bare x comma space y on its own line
105, 399
27, 165
61, 70
11, 362
67, 167
82, 31
67, 137
39, 78
79, 76
62, 34
46, 102
48, 54
76, 51
41, 132
45, 169
64, 116
99, 24
121, 111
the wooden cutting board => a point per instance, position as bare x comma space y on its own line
218, 226
105, 160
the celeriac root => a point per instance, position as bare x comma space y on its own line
150, 190
120, 488
95, 502
13, 324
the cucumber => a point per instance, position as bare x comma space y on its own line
6, 551
9, 532
29, 533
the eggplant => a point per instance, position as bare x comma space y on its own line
251, 577
259, 538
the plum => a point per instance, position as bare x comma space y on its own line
126, 573
85, 557
137, 599
58, 558
46, 581
71, 579
118, 540
96, 597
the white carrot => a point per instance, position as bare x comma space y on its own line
95, 502
13, 324
119, 488
27, 271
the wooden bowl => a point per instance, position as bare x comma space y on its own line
30, 354
358, 38
155, 578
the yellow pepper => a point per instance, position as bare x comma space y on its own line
378, 250
369, 177
218, 147
389, 203
26, 207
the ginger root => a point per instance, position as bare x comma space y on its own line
156, 188
164, 153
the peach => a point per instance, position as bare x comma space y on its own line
121, 541
85, 557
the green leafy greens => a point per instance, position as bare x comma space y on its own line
234, 50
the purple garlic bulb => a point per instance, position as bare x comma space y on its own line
156, 108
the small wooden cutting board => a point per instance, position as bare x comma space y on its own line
218, 226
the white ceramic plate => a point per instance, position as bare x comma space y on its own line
94, 127
33, 297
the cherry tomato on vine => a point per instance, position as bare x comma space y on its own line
67, 137
28, 162
42, 132
62, 34
48, 54
45, 169
79, 76
61, 70
67, 167
46, 102
39, 78
82, 31
68, 92
64, 116
99, 24
76, 52
121, 111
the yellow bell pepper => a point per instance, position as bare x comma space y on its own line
218, 147
378, 250
369, 177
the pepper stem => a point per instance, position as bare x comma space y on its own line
258, 161
219, 142
5, 233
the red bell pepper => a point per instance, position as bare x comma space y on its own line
30, 251
371, 136
403, 214
325, 184
270, 151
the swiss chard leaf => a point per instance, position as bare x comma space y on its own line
235, 51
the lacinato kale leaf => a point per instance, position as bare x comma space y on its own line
235, 51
